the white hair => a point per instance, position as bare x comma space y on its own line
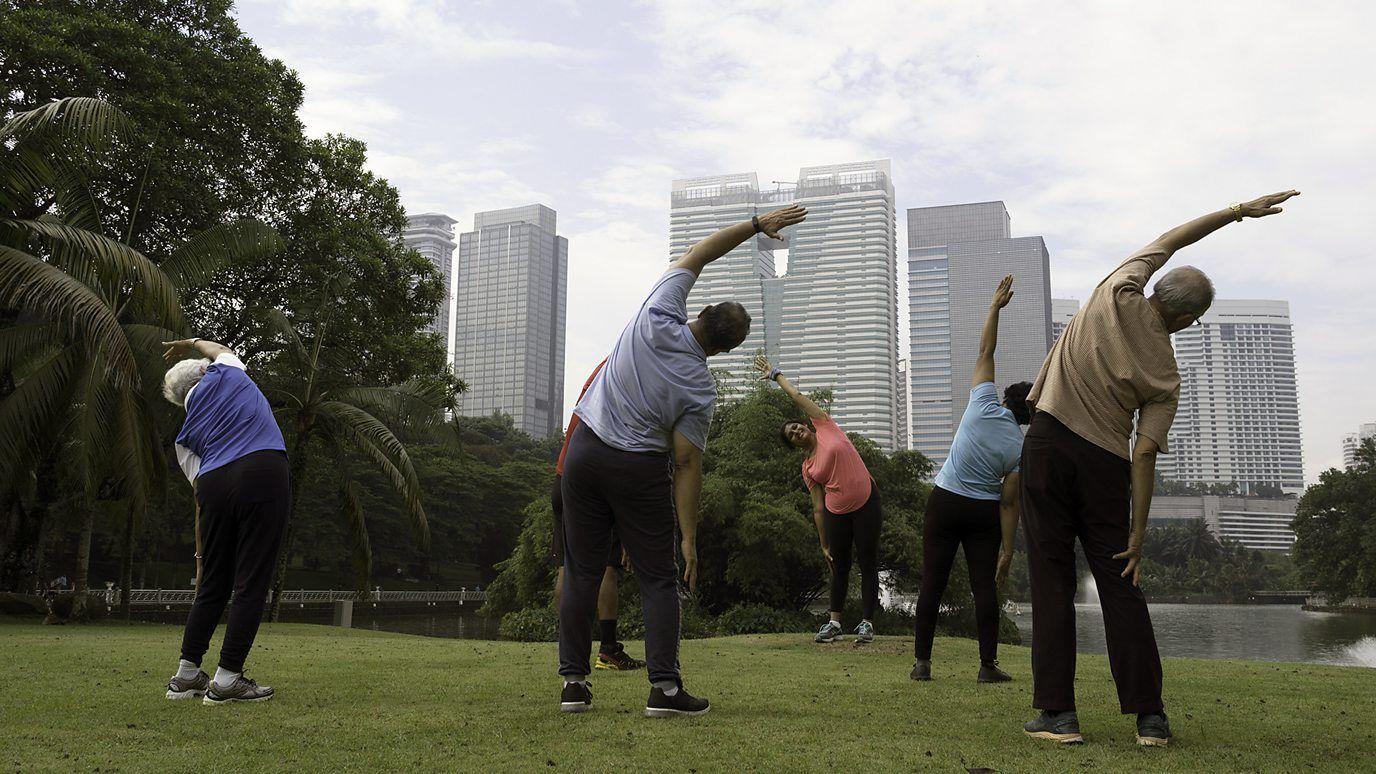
181, 377
1185, 290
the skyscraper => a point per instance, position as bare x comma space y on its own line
956, 256
1062, 310
832, 319
1238, 420
432, 235
903, 428
1353, 441
509, 324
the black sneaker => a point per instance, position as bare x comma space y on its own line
1062, 727
188, 688
618, 661
577, 697
922, 670
989, 672
678, 705
242, 689
1153, 730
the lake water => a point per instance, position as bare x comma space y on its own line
1253, 632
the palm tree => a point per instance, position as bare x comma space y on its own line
323, 414
87, 312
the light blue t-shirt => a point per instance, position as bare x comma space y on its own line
656, 379
987, 447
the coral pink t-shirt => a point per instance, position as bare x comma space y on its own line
837, 466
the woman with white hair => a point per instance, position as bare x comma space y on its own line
232, 452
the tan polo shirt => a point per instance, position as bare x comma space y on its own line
1112, 361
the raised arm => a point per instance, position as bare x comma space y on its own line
989, 339
726, 240
1187, 234
768, 371
186, 347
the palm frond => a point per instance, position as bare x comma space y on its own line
211, 250
371, 438
87, 119
31, 415
112, 259
22, 341
414, 409
361, 555
24, 173
283, 326
30, 284
93, 426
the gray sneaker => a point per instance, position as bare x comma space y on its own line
1062, 727
830, 632
865, 632
188, 688
242, 689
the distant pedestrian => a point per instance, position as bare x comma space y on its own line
232, 452
974, 504
1110, 376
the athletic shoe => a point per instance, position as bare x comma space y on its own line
678, 705
577, 697
1153, 730
242, 689
188, 688
989, 672
1062, 727
620, 661
922, 670
830, 632
865, 632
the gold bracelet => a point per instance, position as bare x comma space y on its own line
1237, 211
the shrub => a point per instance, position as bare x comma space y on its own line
532, 624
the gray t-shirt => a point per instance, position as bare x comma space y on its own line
656, 379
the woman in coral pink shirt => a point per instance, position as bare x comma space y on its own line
845, 505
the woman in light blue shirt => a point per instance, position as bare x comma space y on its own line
975, 503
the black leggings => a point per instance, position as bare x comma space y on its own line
243, 509
952, 521
861, 528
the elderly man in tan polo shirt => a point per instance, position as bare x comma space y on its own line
1083, 477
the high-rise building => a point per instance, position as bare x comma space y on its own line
432, 235
509, 321
903, 429
1353, 441
1062, 310
1239, 419
956, 256
832, 320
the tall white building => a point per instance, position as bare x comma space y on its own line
904, 429
509, 322
956, 256
832, 319
1062, 311
1353, 441
1238, 420
432, 235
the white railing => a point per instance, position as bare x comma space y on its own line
167, 597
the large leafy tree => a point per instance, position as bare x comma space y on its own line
83, 306
1335, 530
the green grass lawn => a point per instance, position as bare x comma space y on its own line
91, 698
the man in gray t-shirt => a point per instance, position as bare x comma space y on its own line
635, 461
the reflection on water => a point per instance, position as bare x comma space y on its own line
1255, 632
457, 626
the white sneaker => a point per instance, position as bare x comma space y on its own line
830, 632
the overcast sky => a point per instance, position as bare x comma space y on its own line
1099, 124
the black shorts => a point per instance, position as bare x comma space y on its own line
556, 545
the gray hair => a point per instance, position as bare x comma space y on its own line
181, 377
1185, 290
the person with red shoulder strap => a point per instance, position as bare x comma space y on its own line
611, 654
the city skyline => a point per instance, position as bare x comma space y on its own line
1021, 103
432, 235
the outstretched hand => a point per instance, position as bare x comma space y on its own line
1262, 206
1134, 557
1003, 293
772, 222
763, 365
175, 349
